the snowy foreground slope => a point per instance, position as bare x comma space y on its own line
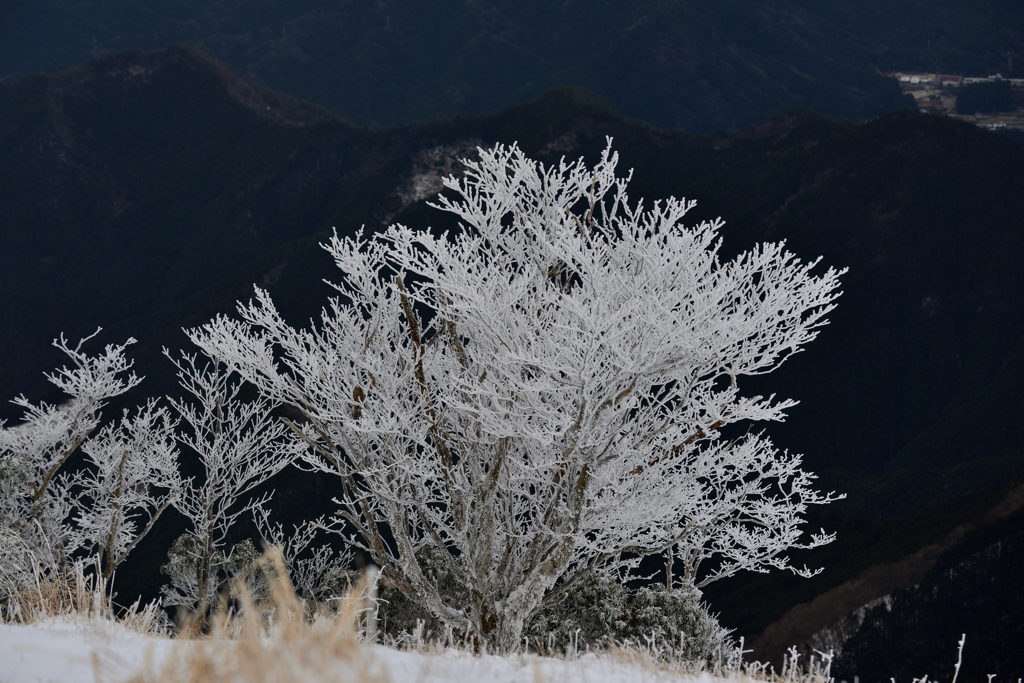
80, 652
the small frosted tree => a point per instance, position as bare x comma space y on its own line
240, 445
133, 478
35, 503
542, 394
316, 572
51, 515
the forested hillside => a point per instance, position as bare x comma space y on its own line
973, 593
679, 64
146, 192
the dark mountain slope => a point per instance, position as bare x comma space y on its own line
145, 192
694, 65
974, 593
114, 174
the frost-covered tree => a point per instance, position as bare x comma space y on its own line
134, 477
543, 393
35, 502
239, 445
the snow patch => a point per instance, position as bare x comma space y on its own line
83, 651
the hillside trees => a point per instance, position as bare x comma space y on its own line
543, 394
987, 98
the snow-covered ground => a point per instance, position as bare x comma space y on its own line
90, 651
73, 651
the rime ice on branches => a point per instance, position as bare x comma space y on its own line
543, 394
102, 510
239, 445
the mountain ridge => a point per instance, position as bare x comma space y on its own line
676, 63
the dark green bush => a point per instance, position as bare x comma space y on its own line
595, 612
598, 610
986, 98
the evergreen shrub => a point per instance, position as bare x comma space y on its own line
598, 611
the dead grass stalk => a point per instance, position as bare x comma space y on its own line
281, 640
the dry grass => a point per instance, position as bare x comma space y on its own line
30, 594
816, 670
281, 640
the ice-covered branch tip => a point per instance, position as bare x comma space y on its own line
543, 394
